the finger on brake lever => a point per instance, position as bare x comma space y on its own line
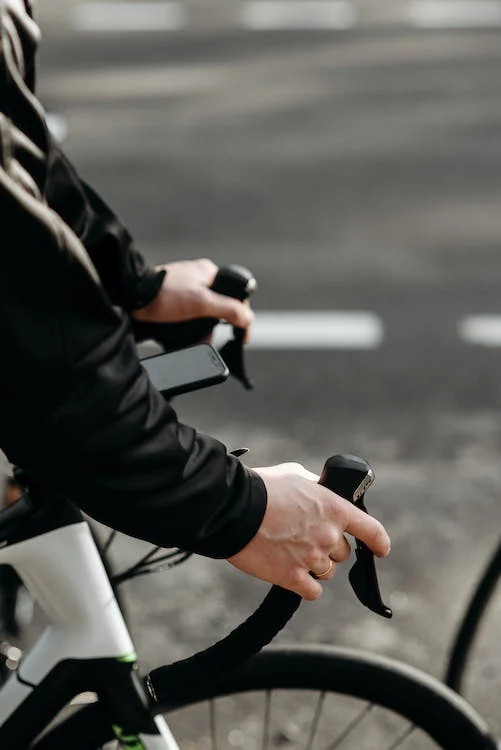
351, 476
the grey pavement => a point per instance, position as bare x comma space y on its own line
349, 170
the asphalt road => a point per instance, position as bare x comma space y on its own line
356, 170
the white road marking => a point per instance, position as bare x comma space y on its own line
298, 14
481, 330
167, 15
294, 329
444, 14
298, 330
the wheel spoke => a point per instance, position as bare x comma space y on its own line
265, 740
213, 725
315, 721
398, 742
351, 726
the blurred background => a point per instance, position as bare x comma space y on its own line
349, 153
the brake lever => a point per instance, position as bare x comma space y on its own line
350, 476
237, 282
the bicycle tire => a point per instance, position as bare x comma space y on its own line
471, 620
424, 701
444, 716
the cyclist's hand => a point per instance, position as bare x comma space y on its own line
304, 526
185, 295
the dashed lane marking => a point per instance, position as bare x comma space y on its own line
481, 330
450, 14
118, 16
263, 15
298, 14
296, 330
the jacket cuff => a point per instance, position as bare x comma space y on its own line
245, 529
147, 289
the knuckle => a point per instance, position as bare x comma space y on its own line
328, 537
290, 467
207, 264
315, 560
339, 508
311, 594
331, 538
296, 578
344, 552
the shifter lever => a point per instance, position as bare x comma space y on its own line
349, 477
237, 282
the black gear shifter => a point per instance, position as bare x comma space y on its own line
350, 476
237, 282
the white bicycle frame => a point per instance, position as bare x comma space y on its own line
63, 571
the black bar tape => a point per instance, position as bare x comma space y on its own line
193, 675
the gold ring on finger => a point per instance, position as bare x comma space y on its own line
326, 571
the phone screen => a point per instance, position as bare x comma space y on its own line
186, 369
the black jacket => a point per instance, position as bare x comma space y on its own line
77, 411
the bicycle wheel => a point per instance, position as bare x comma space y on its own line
307, 698
324, 698
471, 621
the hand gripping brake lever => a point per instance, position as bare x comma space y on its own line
232, 281
349, 477
174, 684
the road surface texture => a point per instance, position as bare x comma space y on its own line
352, 170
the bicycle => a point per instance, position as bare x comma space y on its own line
87, 647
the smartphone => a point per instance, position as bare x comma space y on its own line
186, 369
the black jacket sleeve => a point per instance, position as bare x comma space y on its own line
129, 281
78, 412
